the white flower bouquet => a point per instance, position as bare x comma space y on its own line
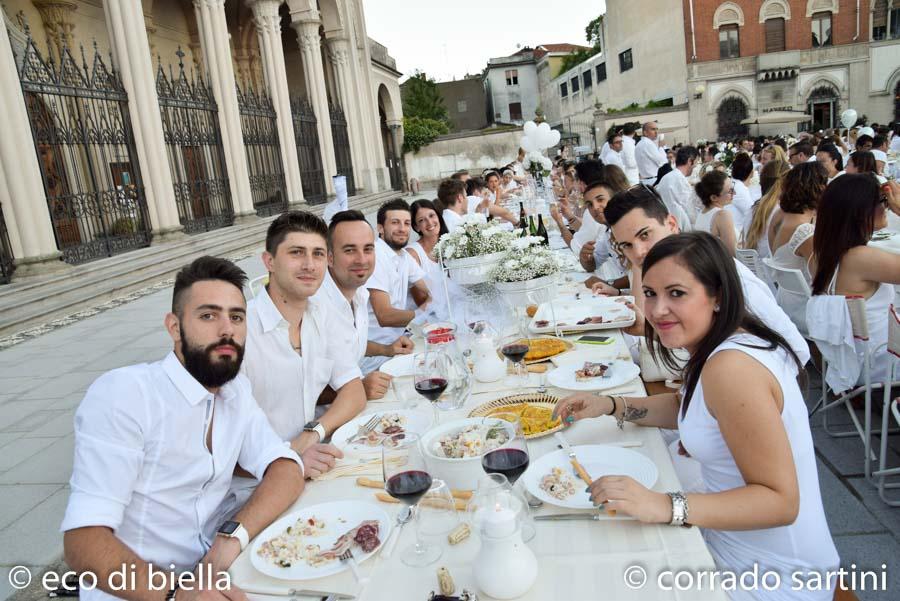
526, 260
475, 237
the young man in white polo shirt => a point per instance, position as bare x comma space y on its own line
452, 195
351, 261
396, 273
156, 445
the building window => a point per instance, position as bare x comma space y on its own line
461, 106
821, 29
885, 20
563, 89
729, 45
575, 84
512, 77
601, 72
774, 35
625, 62
515, 111
587, 80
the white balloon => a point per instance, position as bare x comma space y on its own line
554, 138
527, 143
544, 127
530, 128
848, 118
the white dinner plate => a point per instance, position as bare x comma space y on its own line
339, 517
619, 373
597, 460
416, 421
399, 366
567, 313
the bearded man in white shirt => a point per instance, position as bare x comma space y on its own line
628, 157
156, 445
351, 261
677, 192
613, 154
648, 154
396, 274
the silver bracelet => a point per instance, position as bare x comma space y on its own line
679, 509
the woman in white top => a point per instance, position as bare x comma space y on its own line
741, 207
851, 209
790, 233
740, 414
430, 227
716, 190
771, 179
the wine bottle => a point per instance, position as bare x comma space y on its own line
532, 228
523, 223
542, 230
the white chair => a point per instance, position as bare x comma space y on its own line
791, 284
258, 283
893, 348
750, 258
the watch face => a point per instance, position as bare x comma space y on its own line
229, 527
310, 425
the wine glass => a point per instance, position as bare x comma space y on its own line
436, 514
431, 377
406, 478
510, 458
514, 347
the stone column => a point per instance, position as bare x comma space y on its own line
213, 31
22, 195
268, 27
128, 38
396, 127
339, 56
314, 74
58, 25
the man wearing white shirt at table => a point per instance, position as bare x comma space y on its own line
628, 154
677, 192
156, 445
292, 356
613, 154
351, 261
452, 195
648, 154
396, 273
879, 149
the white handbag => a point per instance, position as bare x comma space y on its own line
655, 371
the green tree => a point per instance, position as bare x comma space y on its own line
422, 98
593, 33
419, 132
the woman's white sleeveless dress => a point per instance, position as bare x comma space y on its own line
800, 547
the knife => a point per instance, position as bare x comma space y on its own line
578, 469
569, 516
291, 592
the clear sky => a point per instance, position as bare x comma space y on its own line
449, 39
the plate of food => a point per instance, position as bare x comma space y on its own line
587, 313
553, 480
534, 411
306, 544
592, 375
543, 348
349, 438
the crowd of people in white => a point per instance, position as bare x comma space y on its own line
184, 460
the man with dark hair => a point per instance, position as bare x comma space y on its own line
587, 172
351, 261
597, 255
462, 176
613, 153
396, 274
677, 192
639, 219
477, 200
831, 159
141, 495
649, 154
801, 152
292, 356
879, 149
864, 142
628, 158
452, 199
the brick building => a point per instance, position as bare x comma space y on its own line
747, 58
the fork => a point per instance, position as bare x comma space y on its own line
365, 428
348, 557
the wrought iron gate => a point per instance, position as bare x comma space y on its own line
7, 266
85, 146
190, 119
341, 141
259, 125
312, 176
729, 116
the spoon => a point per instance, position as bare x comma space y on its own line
404, 516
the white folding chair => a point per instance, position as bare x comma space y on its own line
750, 258
258, 283
893, 348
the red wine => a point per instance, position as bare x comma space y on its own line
515, 352
408, 487
509, 462
432, 388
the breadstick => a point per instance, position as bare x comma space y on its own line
465, 495
459, 504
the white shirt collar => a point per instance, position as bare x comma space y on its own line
192, 390
269, 315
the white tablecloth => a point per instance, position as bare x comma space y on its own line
578, 560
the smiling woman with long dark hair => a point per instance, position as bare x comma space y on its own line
741, 416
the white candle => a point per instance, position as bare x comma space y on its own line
498, 522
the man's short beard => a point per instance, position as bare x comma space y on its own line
395, 245
199, 363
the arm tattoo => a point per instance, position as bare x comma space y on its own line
633, 414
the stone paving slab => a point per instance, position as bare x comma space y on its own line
869, 552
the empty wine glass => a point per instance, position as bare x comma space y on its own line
406, 478
436, 514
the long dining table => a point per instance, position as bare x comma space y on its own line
577, 560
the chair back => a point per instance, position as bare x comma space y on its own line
258, 283
858, 320
788, 279
893, 344
750, 259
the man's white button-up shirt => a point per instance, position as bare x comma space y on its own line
352, 322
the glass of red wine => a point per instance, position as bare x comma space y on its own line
514, 347
431, 377
406, 478
511, 457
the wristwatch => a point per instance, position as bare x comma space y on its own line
315, 427
231, 529
680, 509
